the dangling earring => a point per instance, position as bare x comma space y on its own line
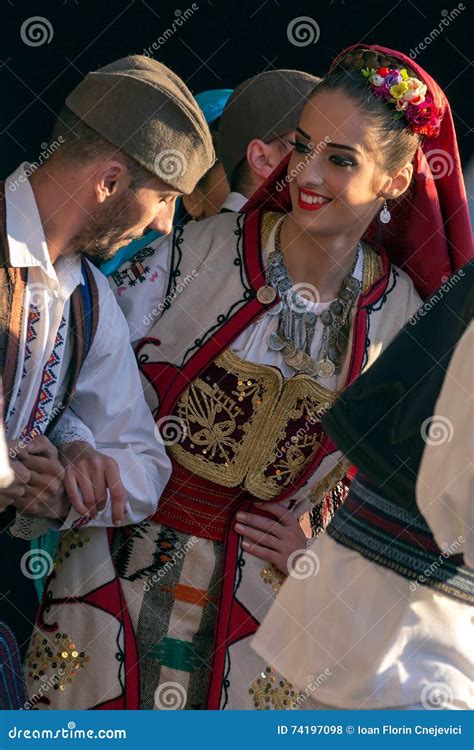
385, 214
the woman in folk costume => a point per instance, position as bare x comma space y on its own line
246, 328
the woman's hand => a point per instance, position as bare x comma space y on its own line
272, 540
89, 477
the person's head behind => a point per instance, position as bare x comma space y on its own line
258, 124
118, 198
351, 152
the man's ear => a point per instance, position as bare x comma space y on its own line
194, 203
262, 158
111, 179
396, 186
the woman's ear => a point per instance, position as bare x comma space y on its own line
396, 186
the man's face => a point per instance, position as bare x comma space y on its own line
126, 217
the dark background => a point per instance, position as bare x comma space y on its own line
221, 44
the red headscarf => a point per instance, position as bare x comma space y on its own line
429, 235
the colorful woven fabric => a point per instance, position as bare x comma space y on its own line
400, 539
12, 688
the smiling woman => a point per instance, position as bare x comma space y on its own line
289, 302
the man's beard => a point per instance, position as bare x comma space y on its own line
109, 228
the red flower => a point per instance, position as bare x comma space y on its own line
382, 72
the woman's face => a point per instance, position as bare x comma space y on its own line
335, 177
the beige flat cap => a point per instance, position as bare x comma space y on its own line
145, 110
265, 106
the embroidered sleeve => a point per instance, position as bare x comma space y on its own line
71, 429
24, 527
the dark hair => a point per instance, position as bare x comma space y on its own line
80, 143
396, 141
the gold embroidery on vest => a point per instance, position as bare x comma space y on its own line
264, 448
249, 426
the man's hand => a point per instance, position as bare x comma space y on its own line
273, 540
88, 476
43, 493
18, 486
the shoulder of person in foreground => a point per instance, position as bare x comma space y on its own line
142, 285
445, 484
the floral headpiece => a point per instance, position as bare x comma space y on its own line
410, 96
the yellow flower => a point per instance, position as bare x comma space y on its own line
404, 74
399, 89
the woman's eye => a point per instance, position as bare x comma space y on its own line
342, 161
300, 148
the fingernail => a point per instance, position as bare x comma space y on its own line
239, 527
241, 516
245, 544
117, 523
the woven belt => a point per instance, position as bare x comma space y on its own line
197, 506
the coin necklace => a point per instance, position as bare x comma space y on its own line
297, 322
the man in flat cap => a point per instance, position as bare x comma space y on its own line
257, 128
130, 139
